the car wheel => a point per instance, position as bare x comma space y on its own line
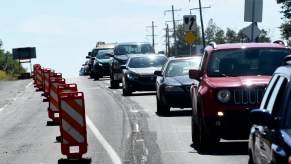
96, 76
114, 84
162, 109
125, 90
205, 141
251, 161
159, 108
195, 132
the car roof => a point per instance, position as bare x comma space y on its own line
104, 46
285, 68
184, 57
228, 46
146, 55
132, 43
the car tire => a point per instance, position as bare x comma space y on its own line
195, 132
96, 76
126, 92
162, 109
205, 142
114, 84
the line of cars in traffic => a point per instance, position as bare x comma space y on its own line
222, 87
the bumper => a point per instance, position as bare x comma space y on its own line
179, 100
103, 70
232, 125
139, 85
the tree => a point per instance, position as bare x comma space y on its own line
210, 31
285, 27
231, 36
263, 37
219, 36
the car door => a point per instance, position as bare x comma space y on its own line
265, 136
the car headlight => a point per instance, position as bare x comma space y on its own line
223, 95
173, 89
132, 76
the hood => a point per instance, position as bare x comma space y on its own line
179, 80
145, 71
121, 57
239, 81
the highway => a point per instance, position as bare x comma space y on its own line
119, 129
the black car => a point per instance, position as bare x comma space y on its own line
270, 135
101, 63
121, 53
173, 83
138, 74
92, 55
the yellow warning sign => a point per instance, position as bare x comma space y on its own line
190, 38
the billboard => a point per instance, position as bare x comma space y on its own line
24, 53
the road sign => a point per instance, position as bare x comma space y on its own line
189, 23
190, 38
252, 31
253, 10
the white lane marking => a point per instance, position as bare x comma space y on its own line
110, 151
137, 128
29, 84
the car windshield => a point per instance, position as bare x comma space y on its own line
245, 62
133, 49
181, 67
104, 54
147, 61
95, 51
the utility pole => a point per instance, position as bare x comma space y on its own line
202, 26
153, 33
174, 27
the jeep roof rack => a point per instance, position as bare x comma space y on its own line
213, 44
281, 42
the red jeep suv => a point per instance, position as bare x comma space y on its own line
232, 81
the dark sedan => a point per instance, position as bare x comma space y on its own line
138, 74
173, 83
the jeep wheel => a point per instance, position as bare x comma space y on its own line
195, 132
205, 141
114, 84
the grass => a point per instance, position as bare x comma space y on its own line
4, 76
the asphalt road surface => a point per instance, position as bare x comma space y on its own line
119, 129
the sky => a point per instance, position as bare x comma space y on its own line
64, 31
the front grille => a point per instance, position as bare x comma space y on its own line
245, 96
146, 78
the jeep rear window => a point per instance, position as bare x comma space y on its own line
133, 49
245, 62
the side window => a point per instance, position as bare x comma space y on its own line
274, 103
203, 61
268, 91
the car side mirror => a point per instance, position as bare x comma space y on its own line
158, 73
89, 53
83, 64
88, 57
194, 74
261, 117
